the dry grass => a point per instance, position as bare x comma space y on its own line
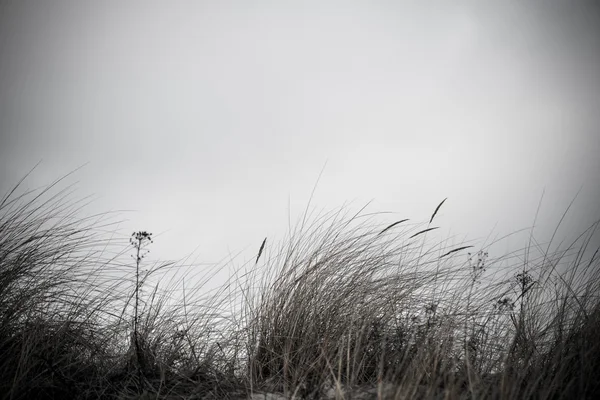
345, 307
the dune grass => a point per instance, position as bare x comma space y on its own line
344, 307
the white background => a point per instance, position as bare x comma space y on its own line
213, 120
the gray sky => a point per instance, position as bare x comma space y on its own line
209, 117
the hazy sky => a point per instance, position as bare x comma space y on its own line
209, 118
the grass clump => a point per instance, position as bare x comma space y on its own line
68, 326
344, 307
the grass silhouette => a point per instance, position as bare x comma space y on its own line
345, 307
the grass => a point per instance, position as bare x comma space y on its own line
343, 307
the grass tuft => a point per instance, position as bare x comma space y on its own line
342, 308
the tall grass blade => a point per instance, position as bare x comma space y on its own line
423, 231
392, 225
262, 247
437, 209
455, 250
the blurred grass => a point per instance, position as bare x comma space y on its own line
345, 306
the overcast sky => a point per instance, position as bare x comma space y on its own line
214, 119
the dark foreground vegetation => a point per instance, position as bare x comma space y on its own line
344, 308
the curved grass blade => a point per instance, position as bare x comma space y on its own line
423, 231
392, 225
455, 250
437, 209
262, 247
